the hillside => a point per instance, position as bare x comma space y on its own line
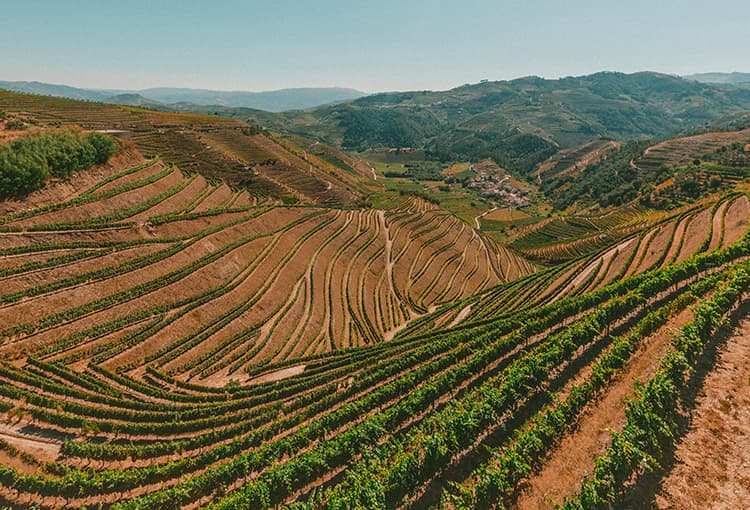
684, 150
196, 347
526, 126
217, 147
593, 252
254, 283
228, 317
519, 123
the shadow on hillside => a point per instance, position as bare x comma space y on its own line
643, 493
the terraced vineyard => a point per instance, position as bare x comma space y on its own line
173, 271
573, 161
217, 147
567, 237
386, 424
679, 151
672, 239
171, 341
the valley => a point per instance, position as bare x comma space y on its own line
228, 314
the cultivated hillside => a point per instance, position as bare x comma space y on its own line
233, 281
521, 122
125, 308
217, 147
598, 251
175, 335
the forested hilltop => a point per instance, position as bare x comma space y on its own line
518, 123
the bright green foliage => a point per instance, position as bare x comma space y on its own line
103, 145
26, 163
650, 432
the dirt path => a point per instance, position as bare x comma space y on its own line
712, 462
461, 316
278, 375
44, 449
575, 455
477, 224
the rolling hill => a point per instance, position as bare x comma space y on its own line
271, 101
520, 122
225, 316
214, 146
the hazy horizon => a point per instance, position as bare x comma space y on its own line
249, 46
303, 86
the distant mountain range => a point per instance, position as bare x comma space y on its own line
724, 78
271, 101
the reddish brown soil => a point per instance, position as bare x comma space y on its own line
113, 205
43, 449
8, 135
143, 173
41, 277
712, 462
718, 222
624, 250
565, 468
640, 252
660, 242
554, 286
695, 234
176, 202
14, 261
582, 276
35, 239
61, 191
735, 220
17, 463
244, 199
278, 375
189, 227
216, 199
678, 240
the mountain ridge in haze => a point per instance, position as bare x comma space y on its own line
722, 78
272, 101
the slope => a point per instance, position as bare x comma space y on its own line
520, 122
216, 147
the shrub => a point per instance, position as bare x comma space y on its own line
15, 125
103, 145
26, 163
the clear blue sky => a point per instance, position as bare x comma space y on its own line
370, 45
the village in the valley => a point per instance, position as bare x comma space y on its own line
492, 182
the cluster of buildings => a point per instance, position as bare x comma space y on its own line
497, 187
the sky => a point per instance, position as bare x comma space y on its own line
374, 45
